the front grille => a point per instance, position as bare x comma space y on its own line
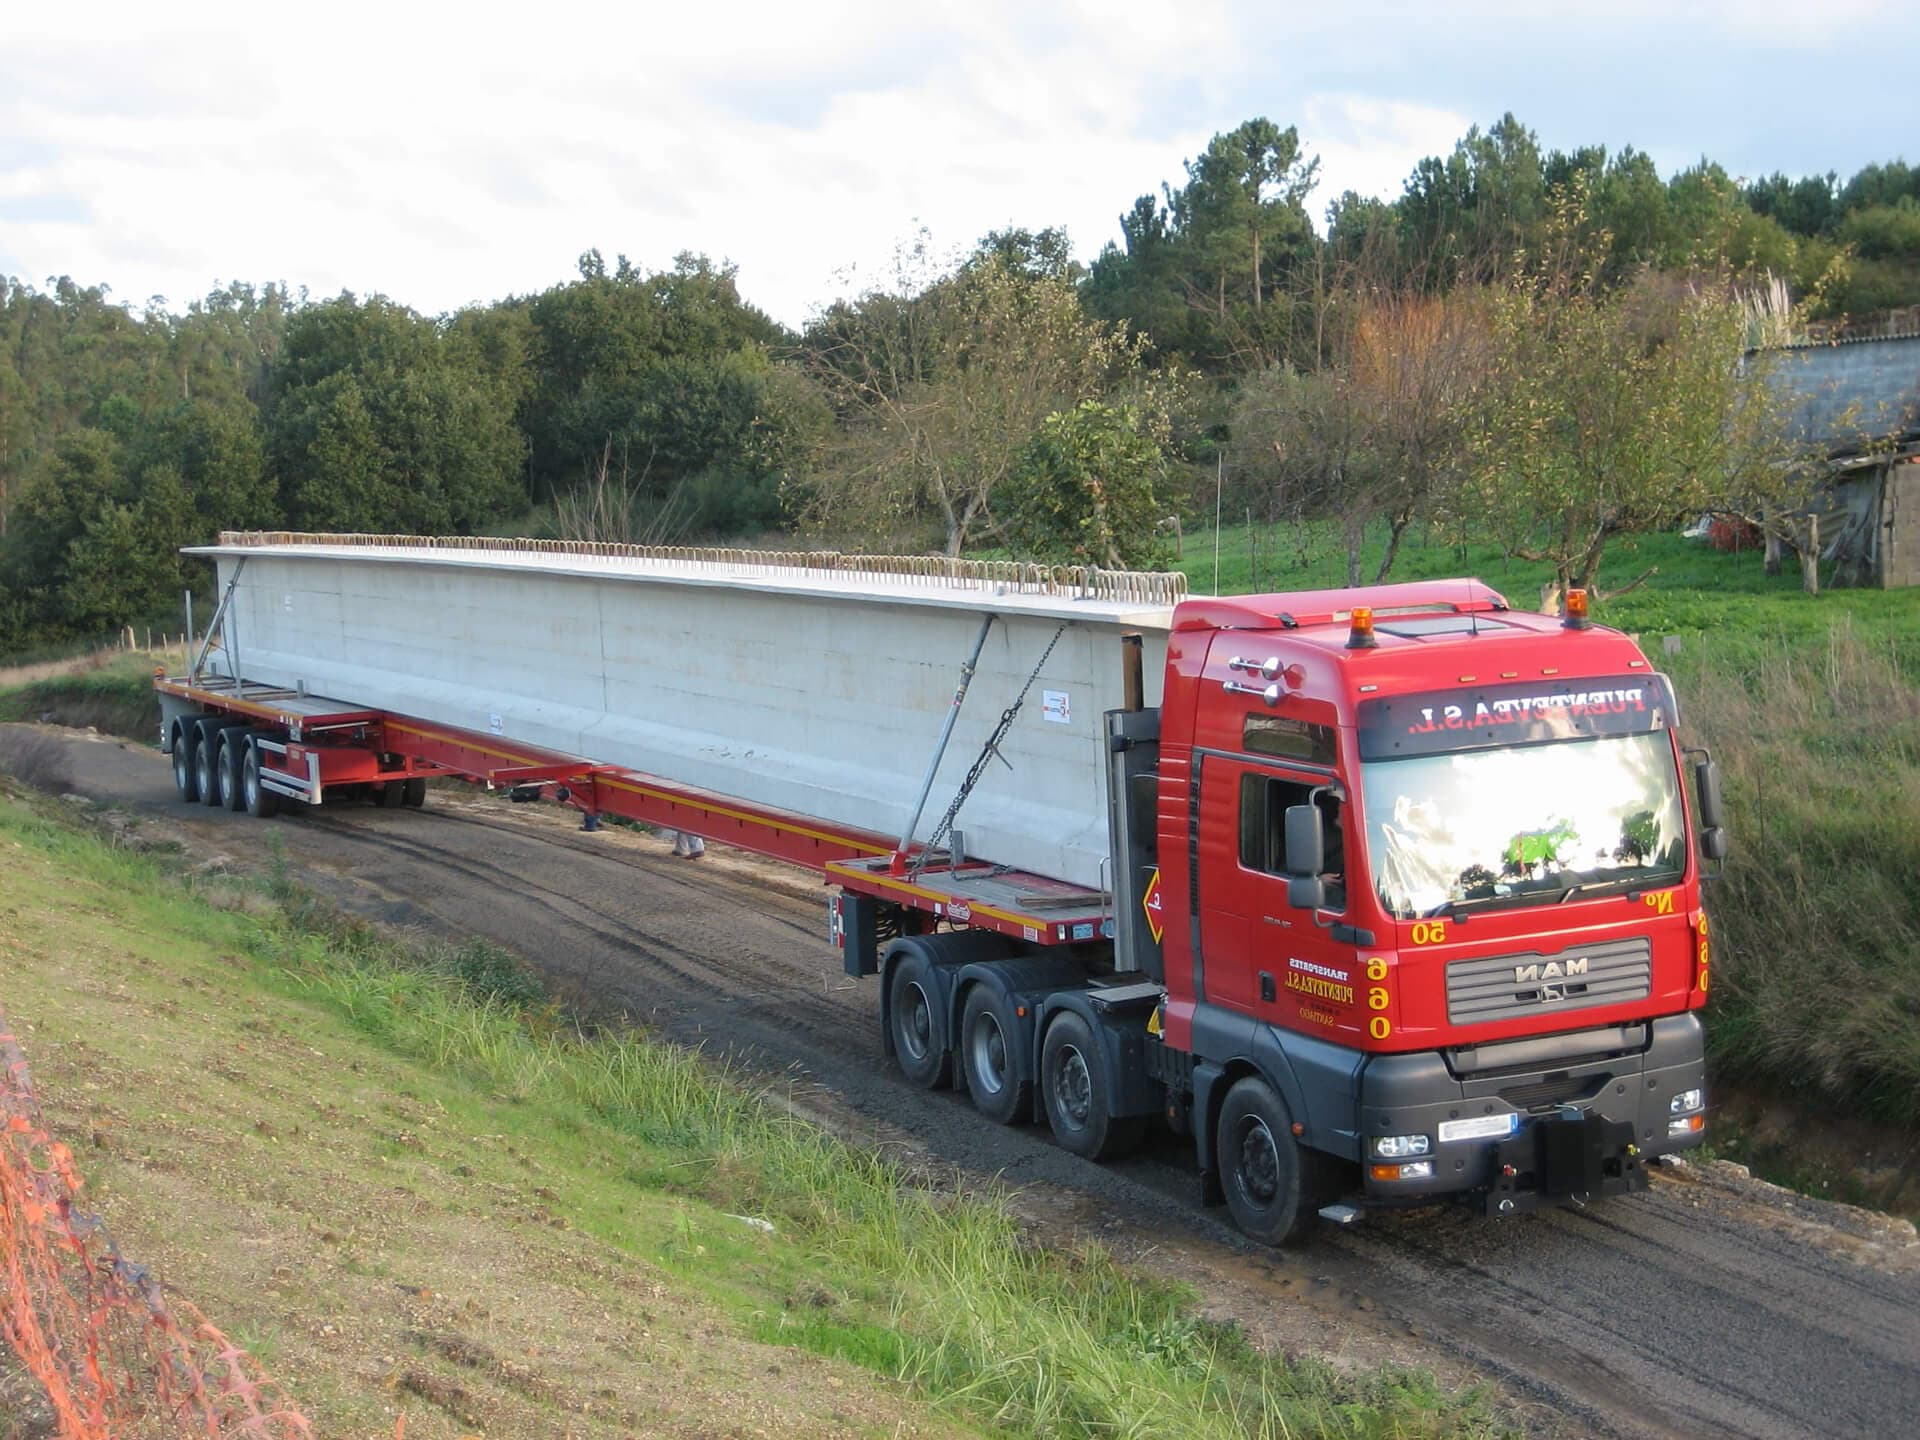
1554, 1090
1503, 987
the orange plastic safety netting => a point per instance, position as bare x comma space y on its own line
114, 1355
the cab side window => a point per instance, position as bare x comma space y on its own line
1263, 829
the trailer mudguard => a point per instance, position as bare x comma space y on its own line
1122, 1031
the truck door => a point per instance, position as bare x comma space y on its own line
1260, 955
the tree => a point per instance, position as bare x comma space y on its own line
941, 381
377, 420
1084, 490
1203, 265
1610, 412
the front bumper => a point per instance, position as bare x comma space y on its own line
1593, 1107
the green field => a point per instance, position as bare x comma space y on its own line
1722, 604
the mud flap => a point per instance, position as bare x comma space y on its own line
1565, 1159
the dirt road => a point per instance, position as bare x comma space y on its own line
1710, 1306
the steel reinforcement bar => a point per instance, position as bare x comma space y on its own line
1142, 587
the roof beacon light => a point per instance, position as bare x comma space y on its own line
1576, 610
1360, 637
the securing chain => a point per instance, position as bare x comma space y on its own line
989, 751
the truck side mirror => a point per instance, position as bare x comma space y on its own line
1706, 784
1713, 843
1306, 857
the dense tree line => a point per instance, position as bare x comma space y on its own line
1452, 357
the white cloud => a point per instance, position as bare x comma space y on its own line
445, 154
1369, 145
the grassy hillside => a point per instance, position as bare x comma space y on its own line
407, 1182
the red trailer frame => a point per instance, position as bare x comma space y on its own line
313, 743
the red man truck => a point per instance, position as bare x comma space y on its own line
1399, 898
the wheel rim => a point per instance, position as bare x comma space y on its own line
181, 772
916, 1022
250, 781
225, 768
988, 1048
1259, 1169
203, 767
1073, 1087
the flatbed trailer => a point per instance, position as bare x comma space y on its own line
1382, 896
253, 747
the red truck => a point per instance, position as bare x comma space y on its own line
1404, 899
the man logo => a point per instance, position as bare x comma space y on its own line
1549, 970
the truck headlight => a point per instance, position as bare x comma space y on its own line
1398, 1147
1686, 1102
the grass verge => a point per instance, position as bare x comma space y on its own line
1817, 919
419, 1104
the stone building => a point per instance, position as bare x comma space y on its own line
1856, 401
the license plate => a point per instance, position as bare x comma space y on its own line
1481, 1127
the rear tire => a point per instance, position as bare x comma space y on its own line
413, 794
1074, 1087
206, 762
989, 1056
227, 762
914, 1021
390, 793
1272, 1182
260, 801
186, 734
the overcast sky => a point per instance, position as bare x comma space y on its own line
448, 154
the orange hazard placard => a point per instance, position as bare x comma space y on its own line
1156, 911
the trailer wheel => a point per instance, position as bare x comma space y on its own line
390, 793
227, 761
1074, 1086
916, 1026
186, 735
1270, 1180
989, 1041
206, 761
413, 794
260, 801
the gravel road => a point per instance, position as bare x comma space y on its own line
1710, 1306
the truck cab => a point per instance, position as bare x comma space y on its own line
1431, 885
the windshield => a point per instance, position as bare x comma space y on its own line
1523, 825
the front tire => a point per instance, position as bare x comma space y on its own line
1270, 1180
1075, 1086
989, 1040
914, 1021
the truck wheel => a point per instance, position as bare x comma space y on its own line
233, 747
413, 794
1074, 1087
390, 793
186, 735
206, 762
916, 1026
989, 1040
1270, 1180
260, 801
